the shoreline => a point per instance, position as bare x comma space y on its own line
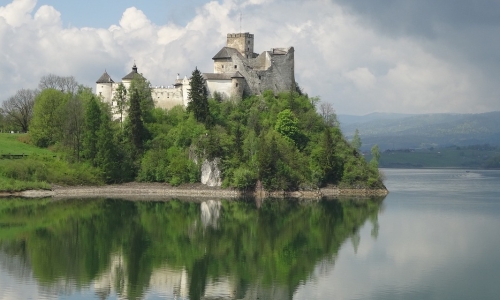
165, 191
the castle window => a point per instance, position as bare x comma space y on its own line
259, 77
235, 66
236, 84
100, 93
223, 66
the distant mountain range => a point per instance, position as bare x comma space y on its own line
406, 131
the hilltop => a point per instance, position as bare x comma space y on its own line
274, 142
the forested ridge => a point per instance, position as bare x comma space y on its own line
278, 140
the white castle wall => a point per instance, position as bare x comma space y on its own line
223, 87
167, 97
271, 70
105, 91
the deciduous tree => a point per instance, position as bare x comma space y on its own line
74, 126
66, 84
375, 155
356, 140
328, 114
46, 127
287, 126
18, 109
121, 101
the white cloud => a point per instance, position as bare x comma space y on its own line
17, 12
337, 56
362, 78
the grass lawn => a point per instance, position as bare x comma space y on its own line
40, 168
12, 144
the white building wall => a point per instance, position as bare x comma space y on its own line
167, 97
224, 87
185, 91
104, 90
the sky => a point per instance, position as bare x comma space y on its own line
364, 56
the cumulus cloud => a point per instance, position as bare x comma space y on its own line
344, 54
17, 12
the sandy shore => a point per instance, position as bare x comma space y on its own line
136, 190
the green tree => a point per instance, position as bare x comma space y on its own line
74, 126
18, 109
92, 125
143, 89
287, 126
267, 159
375, 155
329, 161
3, 126
356, 140
198, 97
136, 129
106, 157
46, 127
121, 101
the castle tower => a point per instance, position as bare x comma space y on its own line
127, 80
243, 42
104, 87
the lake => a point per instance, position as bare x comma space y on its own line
435, 236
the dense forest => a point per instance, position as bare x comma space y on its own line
278, 140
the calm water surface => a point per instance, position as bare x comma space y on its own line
436, 236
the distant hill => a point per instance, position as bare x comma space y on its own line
350, 119
403, 131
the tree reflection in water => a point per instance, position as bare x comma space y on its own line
210, 249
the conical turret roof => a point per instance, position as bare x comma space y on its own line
105, 78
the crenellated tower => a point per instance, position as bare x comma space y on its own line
243, 42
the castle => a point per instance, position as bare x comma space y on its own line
237, 71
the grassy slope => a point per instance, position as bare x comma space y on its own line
39, 169
11, 144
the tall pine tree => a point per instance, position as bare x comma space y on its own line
198, 97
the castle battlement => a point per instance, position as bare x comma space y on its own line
237, 35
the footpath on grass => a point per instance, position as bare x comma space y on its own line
159, 191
